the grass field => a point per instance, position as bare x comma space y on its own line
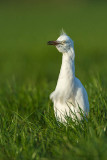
28, 73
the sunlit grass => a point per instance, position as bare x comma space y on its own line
29, 129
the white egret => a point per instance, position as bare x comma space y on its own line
69, 95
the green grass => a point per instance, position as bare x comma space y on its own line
30, 131
28, 73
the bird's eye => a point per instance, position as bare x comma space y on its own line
63, 42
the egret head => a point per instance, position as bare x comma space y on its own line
64, 43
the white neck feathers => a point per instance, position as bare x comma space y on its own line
68, 67
65, 83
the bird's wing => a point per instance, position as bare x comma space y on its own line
81, 97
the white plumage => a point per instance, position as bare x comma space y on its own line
69, 95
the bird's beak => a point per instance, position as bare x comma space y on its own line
53, 43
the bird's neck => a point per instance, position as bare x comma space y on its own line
66, 80
68, 66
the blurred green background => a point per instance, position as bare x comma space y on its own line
25, 28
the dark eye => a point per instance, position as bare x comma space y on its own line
63, 42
